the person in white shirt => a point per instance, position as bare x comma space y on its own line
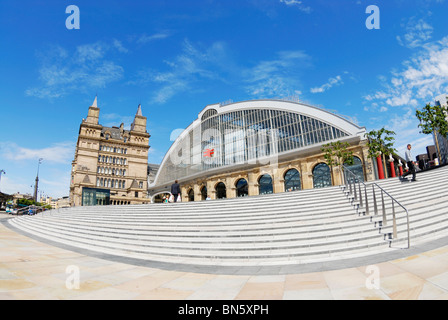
411, 164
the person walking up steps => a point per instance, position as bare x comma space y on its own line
175, 190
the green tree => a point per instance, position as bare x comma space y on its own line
381, 142
433, 120
336, 154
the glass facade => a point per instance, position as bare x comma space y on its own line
321, 176
242, 188
357, 169
95, 197
265, 184
292, 180
243, 136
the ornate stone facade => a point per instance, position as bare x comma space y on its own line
110, 163
192, 190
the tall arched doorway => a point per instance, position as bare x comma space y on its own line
321, 176
292, 180
191, 195
242, 188
204, 193
356, 168
265, 184
221, 191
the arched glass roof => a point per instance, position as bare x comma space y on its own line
249, 133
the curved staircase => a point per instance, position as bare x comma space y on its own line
272, 230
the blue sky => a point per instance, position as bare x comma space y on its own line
176, 57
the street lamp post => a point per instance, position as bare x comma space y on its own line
2, 172
37, 180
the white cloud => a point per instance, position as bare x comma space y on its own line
278, 77
191, 66
143, 39
417, 33
114, 119
62, 73
422, 78
119, 46
57, 153
297, 3
331, 83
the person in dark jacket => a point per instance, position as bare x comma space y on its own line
175, 190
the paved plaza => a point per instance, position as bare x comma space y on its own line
30, 269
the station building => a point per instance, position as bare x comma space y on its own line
258, 147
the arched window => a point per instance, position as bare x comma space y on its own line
321, 176
191, 195
221, 192
292, 180
265, 184
356, 168
204, 193
242, 188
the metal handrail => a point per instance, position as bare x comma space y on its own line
356, 180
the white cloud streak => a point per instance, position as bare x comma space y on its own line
331, 83
417, 33
61, 153
278, 77
298, 4
62, 73
423, 77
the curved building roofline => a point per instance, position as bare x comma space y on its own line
306, 109
335, 120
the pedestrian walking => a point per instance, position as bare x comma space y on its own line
410, 163
175, 190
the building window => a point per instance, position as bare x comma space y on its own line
221, 192
204, 193
191, 195
356, 168
265, 184
321, 176
136, 194
242, 189
292, 180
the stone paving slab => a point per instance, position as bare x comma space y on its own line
31, 269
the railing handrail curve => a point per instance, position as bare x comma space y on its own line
357, 180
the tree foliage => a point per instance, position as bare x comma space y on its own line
337, 153
433, 118
381, 142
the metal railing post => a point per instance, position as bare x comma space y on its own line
375, 205
394, 221
354, 179
367, 201
360, 196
